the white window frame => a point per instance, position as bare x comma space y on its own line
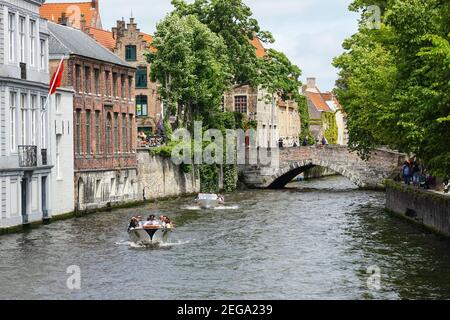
23, 118
43, 54
58, 156
12, 35
58, 103
22, 37
32, 42
33, 107
12, 115
43, 123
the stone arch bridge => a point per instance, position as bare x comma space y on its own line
383, 164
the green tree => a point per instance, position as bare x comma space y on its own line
191, 65
394, 82
231, 20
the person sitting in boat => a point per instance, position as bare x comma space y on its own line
151, 221
162, 221
168, 223
221, 199
135, 222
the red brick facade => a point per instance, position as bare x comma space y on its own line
108, 140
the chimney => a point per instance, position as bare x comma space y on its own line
63, 20
310, 83
94, 4
83, 23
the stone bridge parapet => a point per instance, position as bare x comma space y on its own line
370, 174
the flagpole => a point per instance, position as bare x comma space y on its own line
51, 88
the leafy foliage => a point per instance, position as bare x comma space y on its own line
202, 49
394, 82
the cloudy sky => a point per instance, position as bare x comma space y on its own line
310, 32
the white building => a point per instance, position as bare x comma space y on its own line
61, 142
25, 165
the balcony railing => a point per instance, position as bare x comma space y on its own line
27, 156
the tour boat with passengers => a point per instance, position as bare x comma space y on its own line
151, 232
209, 201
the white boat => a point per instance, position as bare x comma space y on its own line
150, 234
209, 201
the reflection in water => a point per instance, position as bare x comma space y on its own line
314, 240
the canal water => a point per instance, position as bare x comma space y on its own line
315, 240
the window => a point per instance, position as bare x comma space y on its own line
116, 132
107, 84
130, 53
97, 80
78, 78
88, 132
97, 132
11, 32
58, 103
87, 80
33, 119
240, 104
23, 117
58, 156
115, 85
141, 106
124, 132
122, 86
42, 55
130, 136
12, 118
43, 123
22, 39
141, 77
32, 41
108, 133
78, 132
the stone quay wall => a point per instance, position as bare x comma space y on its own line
426, 208
159, 177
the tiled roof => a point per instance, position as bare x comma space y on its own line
260, 51
53, 11
67, 40
318, 101
104, 37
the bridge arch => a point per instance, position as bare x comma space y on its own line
369, 174
284, 177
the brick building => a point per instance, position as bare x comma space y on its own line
75, 12
130, 44
104, 122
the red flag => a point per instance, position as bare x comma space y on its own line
55, 83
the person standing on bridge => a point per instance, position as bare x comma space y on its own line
305, 142
407, 172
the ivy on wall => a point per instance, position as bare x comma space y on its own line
330, 122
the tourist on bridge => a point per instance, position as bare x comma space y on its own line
416, 172
305, 142
407, 172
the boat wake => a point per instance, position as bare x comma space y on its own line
135, 245
198, 208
